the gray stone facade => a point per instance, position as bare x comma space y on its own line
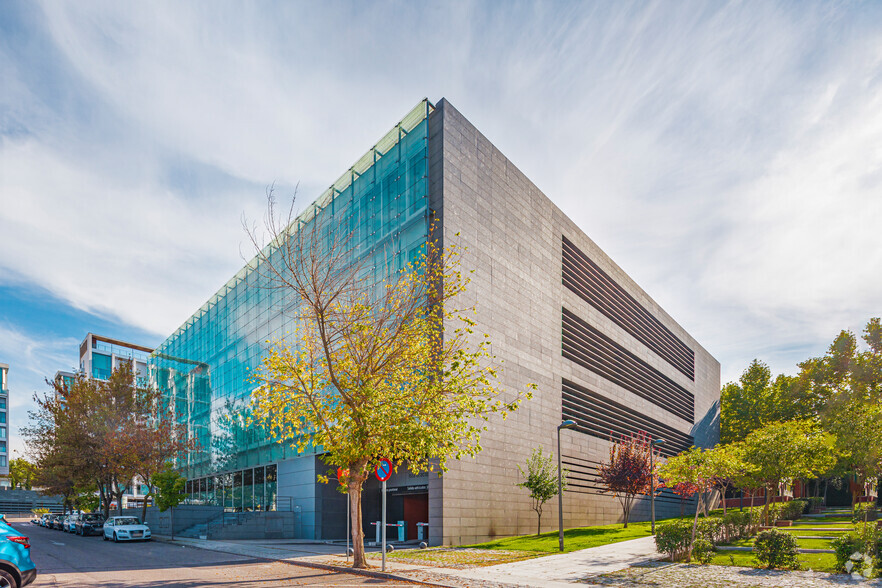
512, 234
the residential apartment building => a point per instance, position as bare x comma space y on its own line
4, 426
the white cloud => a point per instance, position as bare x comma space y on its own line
31, 360
725, 155
132, 250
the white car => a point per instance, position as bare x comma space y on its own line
126, 529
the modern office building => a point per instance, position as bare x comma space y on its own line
560, 313
4, 426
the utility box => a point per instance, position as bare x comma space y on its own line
402, 530
422, 531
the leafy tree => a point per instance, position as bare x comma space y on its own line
385, 363
627, 473
98, 433
86, 499
21, 473
754, 401
154, 444
170, 486
782, 452
693, 468
843, 390
542, 481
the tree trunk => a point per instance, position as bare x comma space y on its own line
354, 486
539, 524
171, 516
694, 523
144, 508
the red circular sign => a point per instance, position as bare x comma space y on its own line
384, 470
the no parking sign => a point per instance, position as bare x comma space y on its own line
384, 470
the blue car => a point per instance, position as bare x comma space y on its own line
16, 567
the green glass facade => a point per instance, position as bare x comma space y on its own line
203, 368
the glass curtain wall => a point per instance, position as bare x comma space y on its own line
252, 489
203, 369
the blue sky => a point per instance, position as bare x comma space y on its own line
726, 155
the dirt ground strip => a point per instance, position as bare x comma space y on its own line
457, 558
663, 574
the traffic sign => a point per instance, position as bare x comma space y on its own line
384, 470
342, 474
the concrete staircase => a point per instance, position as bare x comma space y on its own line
245, 525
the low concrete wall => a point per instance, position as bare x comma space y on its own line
257, 525
184, 516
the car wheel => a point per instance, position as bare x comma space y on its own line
7, 580
104, 536
115, 538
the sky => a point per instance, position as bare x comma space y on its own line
728, 156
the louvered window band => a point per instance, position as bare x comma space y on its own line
582, 478
590, 283
591, 349
601, 417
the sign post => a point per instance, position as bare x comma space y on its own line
383, 473
341, 476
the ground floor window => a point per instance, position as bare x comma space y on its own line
243, 490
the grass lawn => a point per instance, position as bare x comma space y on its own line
819, 562
574, 539
821, 520
813, 543
801, 532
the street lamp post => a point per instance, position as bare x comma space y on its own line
563, 425
652, 446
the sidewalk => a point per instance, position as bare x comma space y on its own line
565, 568
553, 571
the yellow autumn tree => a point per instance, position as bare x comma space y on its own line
378, 365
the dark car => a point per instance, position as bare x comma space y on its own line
90, 524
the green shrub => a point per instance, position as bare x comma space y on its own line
862, 510
843, 547
790, 511
775, 510
776, 549
862, 549
737, 524
703, 550
673, 538
814, 503
710, 528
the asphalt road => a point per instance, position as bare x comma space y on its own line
66, 560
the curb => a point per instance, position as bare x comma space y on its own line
313, 565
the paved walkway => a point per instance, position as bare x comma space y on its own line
554, 571
562, 569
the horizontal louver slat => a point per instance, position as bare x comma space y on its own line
588, 347
585, 279
601, 417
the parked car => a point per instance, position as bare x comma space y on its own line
44, 520
47, 520
56, 522
126, 529
90, 524
70, 523
16, 567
